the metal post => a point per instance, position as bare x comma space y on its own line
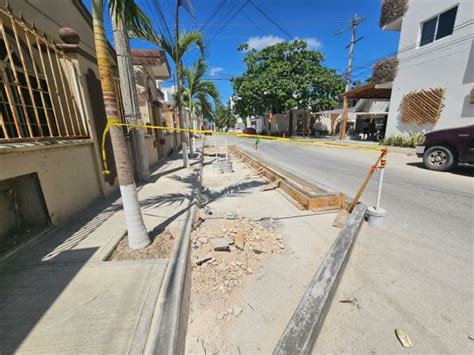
226, 155
379, 193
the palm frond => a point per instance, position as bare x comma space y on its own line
132, 17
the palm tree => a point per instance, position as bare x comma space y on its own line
134, 19
225, 117
197, 92
177, 49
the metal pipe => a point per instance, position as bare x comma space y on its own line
379, 193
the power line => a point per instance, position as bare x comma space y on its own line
214, 13
268, 17
230, 19
405, 49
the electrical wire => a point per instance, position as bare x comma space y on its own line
269, 18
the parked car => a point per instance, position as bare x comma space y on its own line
249, 130
442, 150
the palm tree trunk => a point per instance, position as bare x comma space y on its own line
137, 233
130, 99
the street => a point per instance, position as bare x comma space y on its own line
424, 203
416, 271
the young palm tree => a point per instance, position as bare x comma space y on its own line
177, 50
134, 19
225, 117
198, 92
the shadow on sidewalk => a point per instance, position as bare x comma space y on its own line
27, 293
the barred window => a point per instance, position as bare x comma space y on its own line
37, 101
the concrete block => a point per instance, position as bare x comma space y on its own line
220, 244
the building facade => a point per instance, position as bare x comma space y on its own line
433, 85
52, 117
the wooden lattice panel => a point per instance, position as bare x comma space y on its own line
423, 106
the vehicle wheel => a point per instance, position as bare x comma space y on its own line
439, 158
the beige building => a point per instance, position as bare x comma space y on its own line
52, 116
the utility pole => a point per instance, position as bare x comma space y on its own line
356, 21
182, 120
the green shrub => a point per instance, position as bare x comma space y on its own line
403, 141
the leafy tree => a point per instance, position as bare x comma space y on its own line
285, 76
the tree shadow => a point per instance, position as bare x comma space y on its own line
461, 169
29, 291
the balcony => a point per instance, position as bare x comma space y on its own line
384, 71
392, 13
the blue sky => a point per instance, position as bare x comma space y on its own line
312, 20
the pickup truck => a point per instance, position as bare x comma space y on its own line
443, 149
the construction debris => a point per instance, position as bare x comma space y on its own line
220, 244
248, 245
271, 186
239, 242
203, 259
403, 338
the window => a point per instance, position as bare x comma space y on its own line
438, 27
37, 101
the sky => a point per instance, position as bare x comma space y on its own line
238, 21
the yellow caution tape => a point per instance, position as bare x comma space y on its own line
118, 123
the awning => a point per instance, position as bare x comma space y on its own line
149, 57
154, 59
371, 91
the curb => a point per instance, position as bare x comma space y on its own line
167, 331
306, 323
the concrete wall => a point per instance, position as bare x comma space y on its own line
447, 63
66, 173
151, 150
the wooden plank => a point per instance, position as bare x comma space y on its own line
15, 77
11, 102
45, 73
69, 80
4, 127
27, 76
63, 85
324, 203
38, 83
56, 91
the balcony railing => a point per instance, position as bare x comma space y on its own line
39, 86
384, 71
392, 10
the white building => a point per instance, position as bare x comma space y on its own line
434, 82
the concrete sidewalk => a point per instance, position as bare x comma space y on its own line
388, 285
58, 295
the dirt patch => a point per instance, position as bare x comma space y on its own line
160, 248
220, 273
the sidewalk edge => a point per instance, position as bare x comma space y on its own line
167, 332
306, 323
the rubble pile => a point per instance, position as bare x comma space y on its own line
227, 250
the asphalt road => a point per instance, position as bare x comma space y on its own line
417, 271
419, 201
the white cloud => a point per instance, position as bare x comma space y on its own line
215, 70
265, 41
313, 43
